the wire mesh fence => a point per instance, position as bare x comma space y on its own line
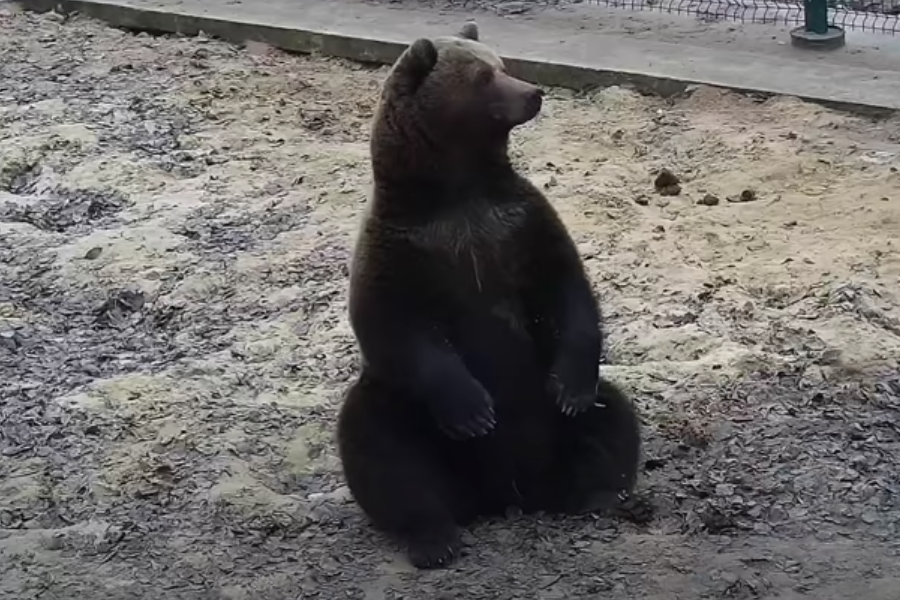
881, 16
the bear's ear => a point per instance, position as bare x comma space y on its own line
469, 31
413, 66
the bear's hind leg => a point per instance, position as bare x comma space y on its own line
392, 463
598, 458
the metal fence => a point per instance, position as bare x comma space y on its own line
881, 16
819, 23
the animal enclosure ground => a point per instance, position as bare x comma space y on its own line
176, 218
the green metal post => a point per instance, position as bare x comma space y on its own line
816, 33
815, 14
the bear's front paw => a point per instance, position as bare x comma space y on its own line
464, 411
574, 393
635, 508
434, 550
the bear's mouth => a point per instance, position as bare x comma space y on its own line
533, 105
517, 101
525, 111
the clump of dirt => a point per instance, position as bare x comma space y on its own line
667, 183
708, 200
176, 224
744, 196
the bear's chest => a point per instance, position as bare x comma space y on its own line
476, 258
476, 239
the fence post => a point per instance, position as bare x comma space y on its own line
816, 33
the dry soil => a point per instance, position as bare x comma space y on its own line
176, 217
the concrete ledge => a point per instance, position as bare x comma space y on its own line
366, 50
863, 90
163, 22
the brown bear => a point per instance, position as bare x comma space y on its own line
479, 332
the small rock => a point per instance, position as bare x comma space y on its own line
724, 489
642, 200
665, 179
11, 340
745, 196
340, 495
93, 253
708, 200
670, 190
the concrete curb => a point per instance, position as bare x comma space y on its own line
385, 51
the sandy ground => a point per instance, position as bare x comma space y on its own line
176, 218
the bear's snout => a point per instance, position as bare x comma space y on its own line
534, 102
523, 100
530, 103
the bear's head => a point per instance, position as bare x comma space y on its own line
447, 108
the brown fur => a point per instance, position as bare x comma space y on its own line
479, 333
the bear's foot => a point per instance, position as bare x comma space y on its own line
434, 550
634, 508
623, 506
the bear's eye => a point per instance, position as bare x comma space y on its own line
484, 76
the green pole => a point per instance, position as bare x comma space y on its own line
815, 32
815, 15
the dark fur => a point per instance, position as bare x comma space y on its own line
479, 332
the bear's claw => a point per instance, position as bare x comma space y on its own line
434, 551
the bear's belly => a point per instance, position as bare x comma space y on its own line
509, 465
500, 353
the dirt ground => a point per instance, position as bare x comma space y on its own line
176, 218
